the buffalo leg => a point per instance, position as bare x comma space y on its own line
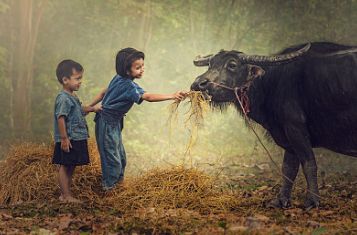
290, 169
310, 171
299, 139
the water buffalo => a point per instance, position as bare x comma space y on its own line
305, 97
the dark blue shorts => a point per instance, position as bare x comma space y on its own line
77, 156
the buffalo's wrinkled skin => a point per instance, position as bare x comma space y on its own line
305, 99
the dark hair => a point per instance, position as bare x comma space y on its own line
125, 58
65, 69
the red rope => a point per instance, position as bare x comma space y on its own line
243, 99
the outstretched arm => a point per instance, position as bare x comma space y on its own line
150, 97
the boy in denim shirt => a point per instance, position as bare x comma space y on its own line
117, 100
70, 127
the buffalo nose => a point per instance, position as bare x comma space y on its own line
202, 84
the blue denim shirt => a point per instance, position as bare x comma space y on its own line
121, 94
70, 107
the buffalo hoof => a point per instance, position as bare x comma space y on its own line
281, 203
311, 202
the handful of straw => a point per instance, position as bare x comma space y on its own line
199, 106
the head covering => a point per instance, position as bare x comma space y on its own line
125, 58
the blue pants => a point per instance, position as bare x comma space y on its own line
111, 150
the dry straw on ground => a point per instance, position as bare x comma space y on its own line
28, 175
172, 188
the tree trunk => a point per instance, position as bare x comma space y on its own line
145, 32
26, 22
192, 27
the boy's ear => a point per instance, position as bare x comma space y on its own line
255, 71
65, 79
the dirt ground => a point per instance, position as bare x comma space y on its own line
337, 214
244, 184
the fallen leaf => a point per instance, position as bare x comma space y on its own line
6, 217
64, 221
237, 228
313, 224
262, 218
326, 213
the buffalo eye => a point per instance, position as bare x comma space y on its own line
232, 65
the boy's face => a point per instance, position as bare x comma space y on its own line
137, 68
74, 81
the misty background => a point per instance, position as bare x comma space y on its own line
35, 35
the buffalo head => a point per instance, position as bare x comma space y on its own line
234, 69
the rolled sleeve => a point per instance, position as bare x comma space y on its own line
136, 95
140, 92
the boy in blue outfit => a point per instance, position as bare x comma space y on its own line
117, 100
70, 127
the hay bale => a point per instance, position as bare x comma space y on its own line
28, 175
172, 188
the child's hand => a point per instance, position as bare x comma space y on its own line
180, 95
97, 108
66, 144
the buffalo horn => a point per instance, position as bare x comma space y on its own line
202, 60
275, 58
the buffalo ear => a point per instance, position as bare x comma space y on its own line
255, 71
